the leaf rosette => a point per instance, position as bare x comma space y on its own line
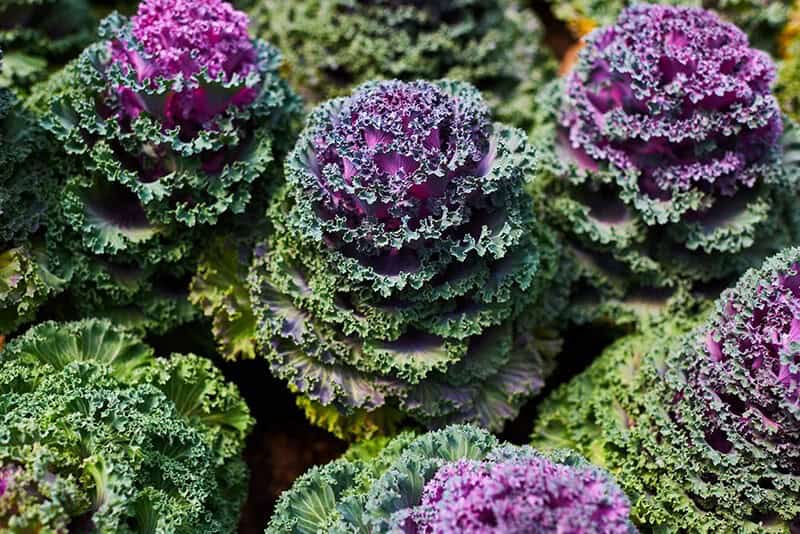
404, 253
698, 416
171, 136
28, 187
459, 479
665, 158
97, 434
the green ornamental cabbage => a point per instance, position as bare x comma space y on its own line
332, 46
39, 35
28, 187
96, 434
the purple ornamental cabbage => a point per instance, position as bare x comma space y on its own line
459, 479
393, 159
663, 156
189, 105
751, 363
677, 101
175, 121
398, 148
699, 415
177, 41
517, 496
406, 259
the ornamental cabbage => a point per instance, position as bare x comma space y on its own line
459, 479
698, 416
27, 190
406, 271
334, 45
172, 121
98, 435
760, 19
663, 157
39, 34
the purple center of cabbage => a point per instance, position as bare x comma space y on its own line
395, 152
519, 496
676, 95
768, 341
176, 39
753, 363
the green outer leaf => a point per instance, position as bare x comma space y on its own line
433, 379
332, 46
46, 34
220, 291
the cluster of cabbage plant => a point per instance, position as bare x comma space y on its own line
98, 435
404, 259
667, 163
